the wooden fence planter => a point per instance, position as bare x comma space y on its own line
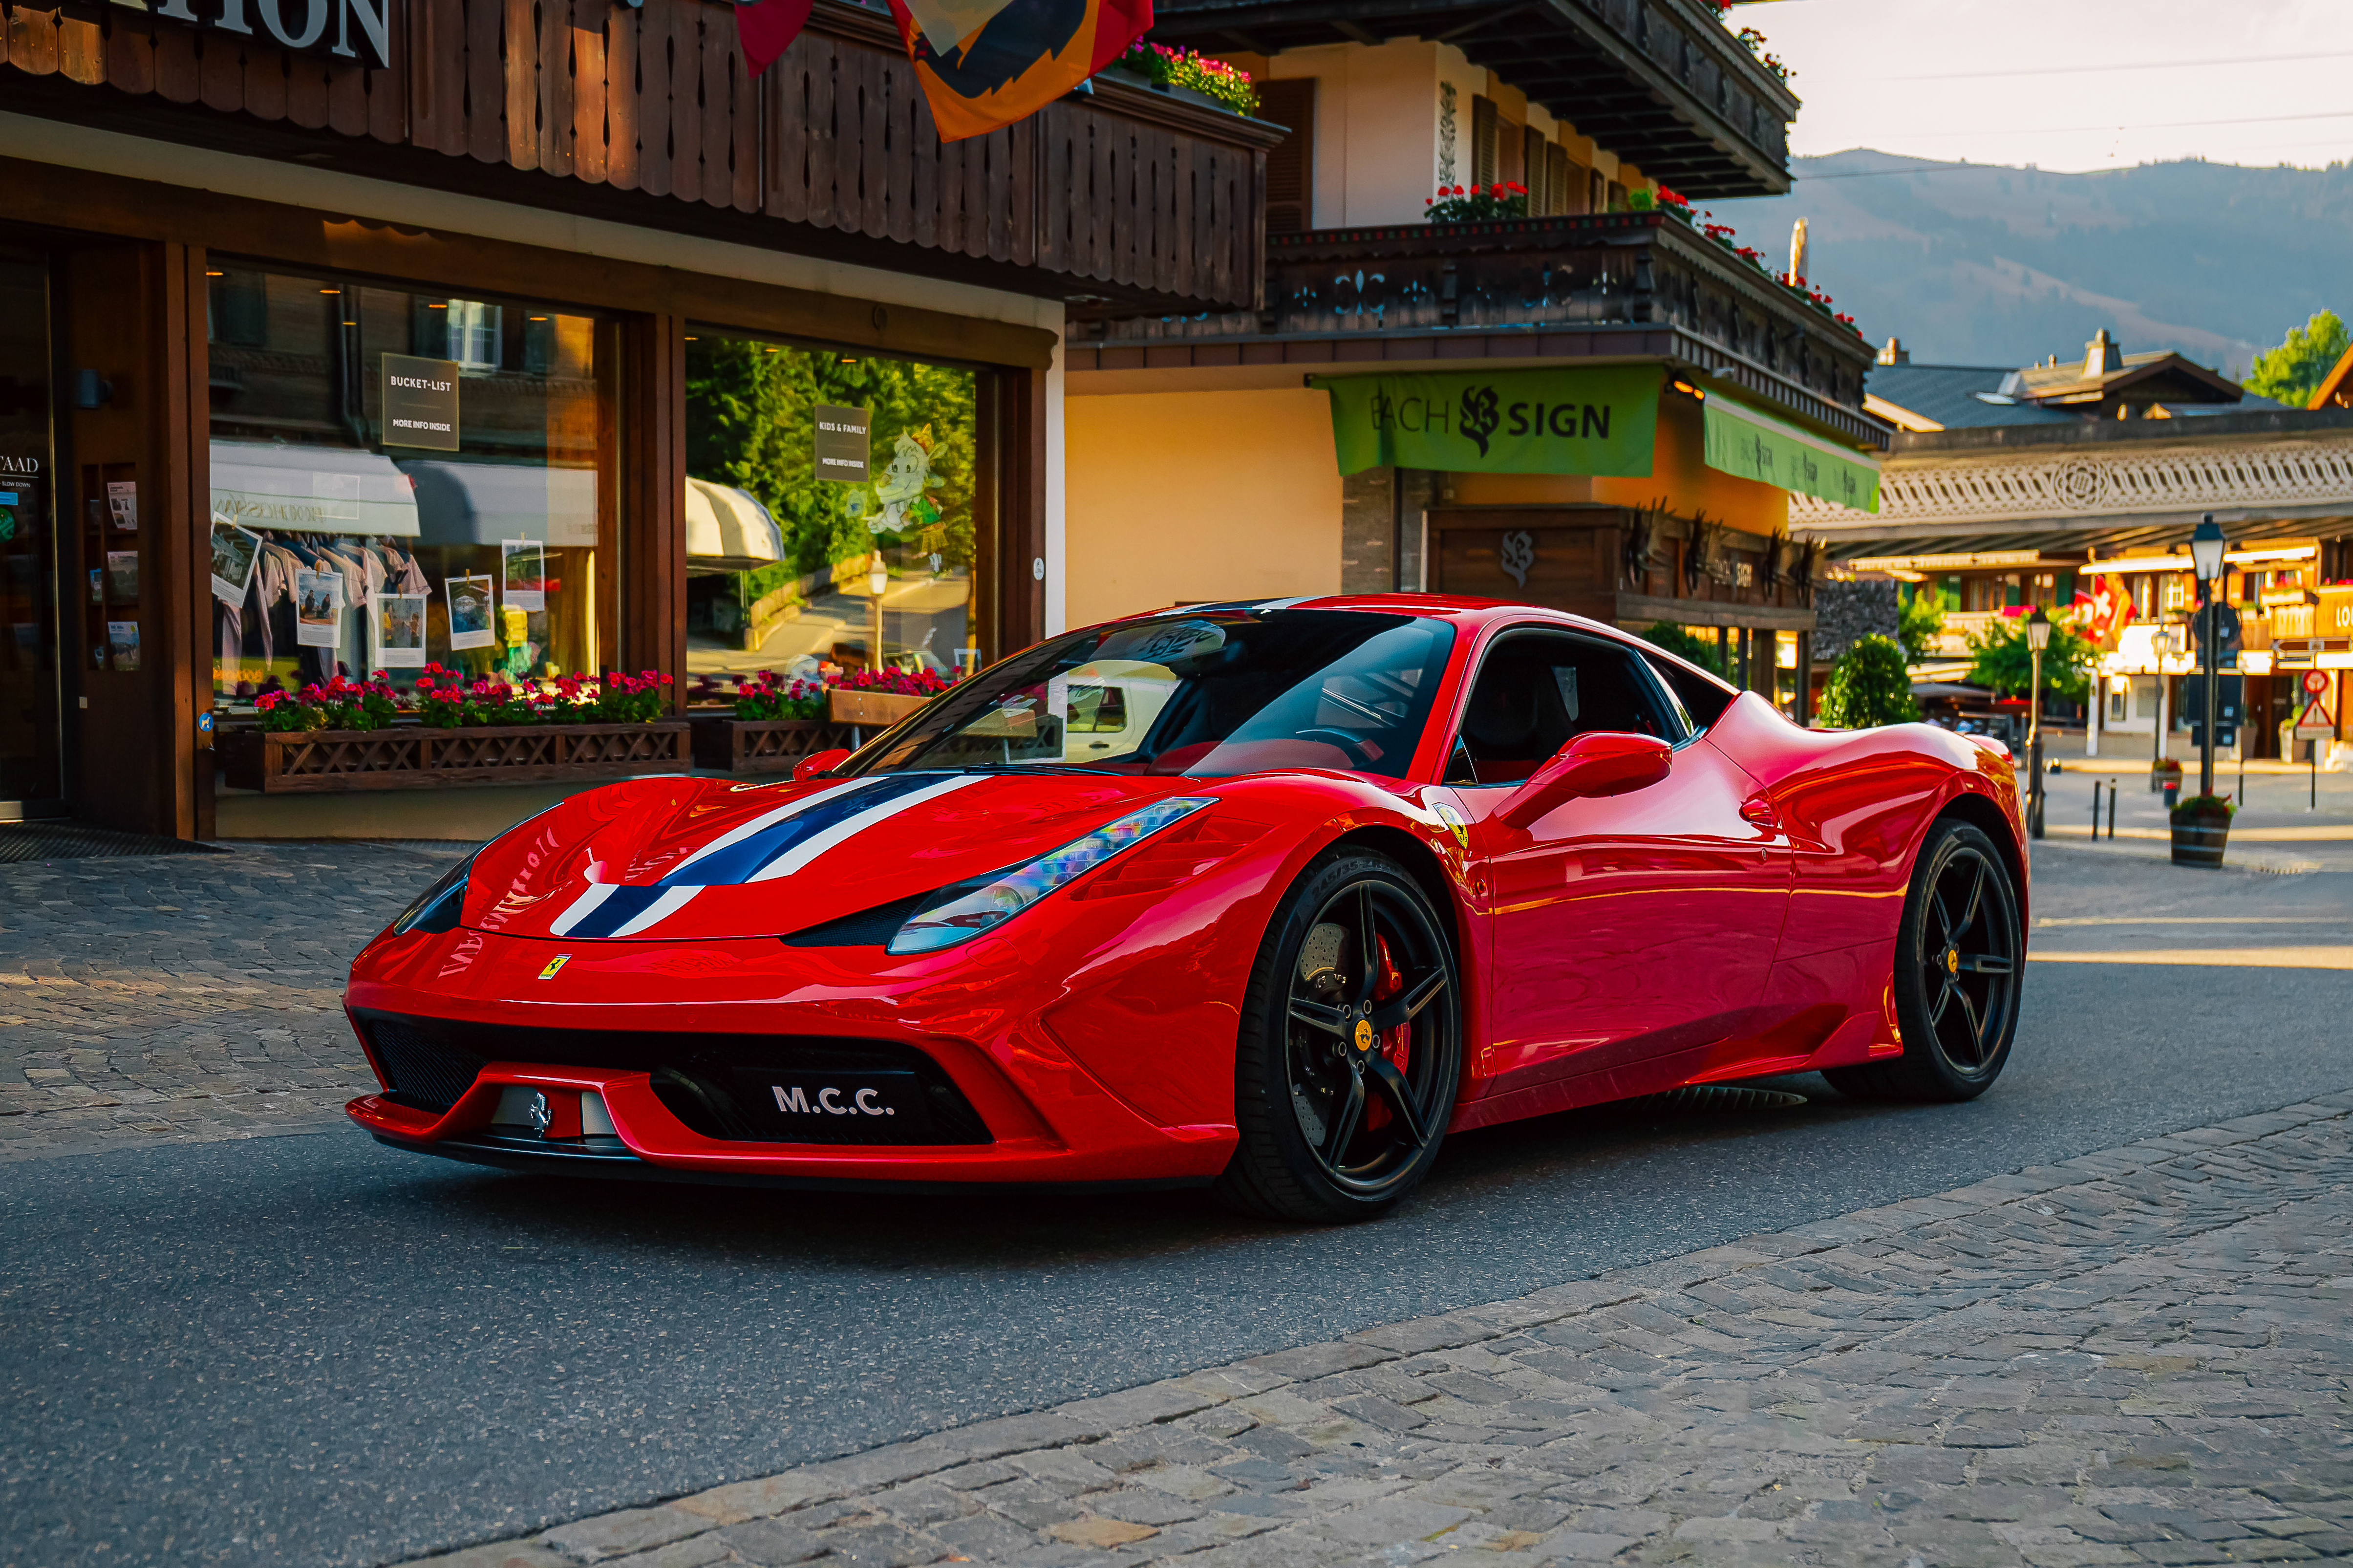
725, 743
416, 757
870, 710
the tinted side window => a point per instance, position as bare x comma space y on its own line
1704, 699
1538, 691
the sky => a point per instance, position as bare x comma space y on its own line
2069, 85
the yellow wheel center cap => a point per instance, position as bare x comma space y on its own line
1952, 960
1364, 1034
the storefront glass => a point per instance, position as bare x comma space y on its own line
814, 477
29, 733
401, 478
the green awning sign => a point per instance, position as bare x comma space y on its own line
1600, 420
1742, 442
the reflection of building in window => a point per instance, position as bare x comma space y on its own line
473, 331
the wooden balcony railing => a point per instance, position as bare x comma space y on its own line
1621, 283
1128, 196
1662, 83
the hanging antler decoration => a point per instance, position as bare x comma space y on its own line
1706, 543
1643, 527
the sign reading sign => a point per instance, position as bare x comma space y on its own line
1756, 446
844, 443
1601, 420
352, 30
420, 402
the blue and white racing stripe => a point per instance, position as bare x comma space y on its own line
776, 844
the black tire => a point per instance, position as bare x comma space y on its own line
1960, 964
1350, 1051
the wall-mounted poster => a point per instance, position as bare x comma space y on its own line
122, 643
318, 609
400, 628
471, 604
123, 576
522, 580
122, 505
235, 550
844, 443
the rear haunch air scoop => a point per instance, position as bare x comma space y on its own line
775, 845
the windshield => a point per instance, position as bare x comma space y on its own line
1207, 694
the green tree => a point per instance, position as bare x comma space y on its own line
1681, 642
1924, 618
2292, 372
1870, 685
1999, 657
751, 423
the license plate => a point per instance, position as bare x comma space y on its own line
881, 1107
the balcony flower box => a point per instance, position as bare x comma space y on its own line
725, 743
419, 756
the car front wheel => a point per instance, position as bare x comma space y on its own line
1350, 1047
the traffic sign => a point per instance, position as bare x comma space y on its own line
2316, 682
2315, 723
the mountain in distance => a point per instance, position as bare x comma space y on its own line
1982, 264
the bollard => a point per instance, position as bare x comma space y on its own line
2095, 811
2113, 793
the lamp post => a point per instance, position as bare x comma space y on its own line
2206, 555
2038, 638
877, 580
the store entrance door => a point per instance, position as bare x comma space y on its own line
31, 736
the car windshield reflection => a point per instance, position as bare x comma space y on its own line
1207, 693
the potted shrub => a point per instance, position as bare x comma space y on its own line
775, 723
2201, 826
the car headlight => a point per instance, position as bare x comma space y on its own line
437, 908
964, 911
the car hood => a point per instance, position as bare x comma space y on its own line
683, 859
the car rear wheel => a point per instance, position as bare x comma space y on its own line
1959, 959
1350, 1047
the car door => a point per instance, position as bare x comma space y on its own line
1623, 927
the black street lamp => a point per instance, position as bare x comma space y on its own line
2206, 547
2038, 638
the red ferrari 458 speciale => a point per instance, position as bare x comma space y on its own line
1266, 897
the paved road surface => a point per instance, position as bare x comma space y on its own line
306, 1349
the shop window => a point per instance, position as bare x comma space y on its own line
469, 523
782, 560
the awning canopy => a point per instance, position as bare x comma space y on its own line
1742, 441
310, 490
725, 526
1579, 419
484, 502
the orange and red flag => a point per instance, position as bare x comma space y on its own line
986, 63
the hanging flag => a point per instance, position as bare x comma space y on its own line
767, 28
986, 63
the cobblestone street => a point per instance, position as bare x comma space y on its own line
172, 997
2137, 1356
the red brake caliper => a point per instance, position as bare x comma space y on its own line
1397, 1044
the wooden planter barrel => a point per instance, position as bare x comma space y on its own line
2198, 839
870, 710
726, 744
416, 757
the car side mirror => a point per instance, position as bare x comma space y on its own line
1603, 762
817, 762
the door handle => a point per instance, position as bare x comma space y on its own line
1757, 812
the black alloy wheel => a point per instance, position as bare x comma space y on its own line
1960, 958
1350, 1049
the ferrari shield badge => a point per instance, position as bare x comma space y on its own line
554, 964
1454, 823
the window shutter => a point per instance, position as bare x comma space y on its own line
1531, 167
1290, 162
1558, 197
1483, 141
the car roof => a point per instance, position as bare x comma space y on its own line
1438, 606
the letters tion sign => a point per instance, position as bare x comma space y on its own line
1601, 420
420, 402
